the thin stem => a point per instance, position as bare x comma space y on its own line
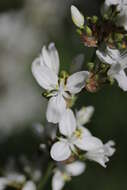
45, 178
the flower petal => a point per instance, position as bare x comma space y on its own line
67, 123
112, 2
77, 17
56, 107
84, 132
76, 168
51, 57
45, 77
3, 183
88, 143
105, 58
97, 156
54, 57
108, 148
29, 186
121, 79
83, 115
60, 151
76, 82
57, 181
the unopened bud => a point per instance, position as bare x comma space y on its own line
118, 36
77, 17
91, 66
79, 31
88, 31
94, 19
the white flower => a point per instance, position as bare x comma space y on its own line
122, 9
77, 17
3, 183
65, 172
75, 137
15, 178
45, 70
83, 115
112, 2
102, 153
118, 63
29, 185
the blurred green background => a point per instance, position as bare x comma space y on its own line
25, 25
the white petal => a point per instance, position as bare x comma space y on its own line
105, 58
84, 132
97, 156
109, 149
57, 181
3, 183
29, 186
88, 143
45, 77
76, 168
115, 69
76, 82
83, 115
122, 80
55, 109
46, 57
112, 2
54, 57
67, 123
51, 57
77, 17
60, 151
113, 53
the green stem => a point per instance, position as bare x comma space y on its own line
45, 178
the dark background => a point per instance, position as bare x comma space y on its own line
110, 117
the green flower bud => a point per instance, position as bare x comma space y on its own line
88, 31
118, 36
94, 19
91, 66
79, 31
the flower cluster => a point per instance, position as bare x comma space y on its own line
73, 143
109, 37
67, 143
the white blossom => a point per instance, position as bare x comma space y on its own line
84, 115
45, 70
29, 185
16, 178
117, 62
122, 9
101, 153
3, 183
64, 173
77, 17
74, 137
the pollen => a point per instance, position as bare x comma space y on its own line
78, 133
66, 177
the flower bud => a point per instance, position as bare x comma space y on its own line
88, 31
77, 17
118, 36
94, 19
91, 66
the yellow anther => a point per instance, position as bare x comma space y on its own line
78, 133
66, 177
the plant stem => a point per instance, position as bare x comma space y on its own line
45, 178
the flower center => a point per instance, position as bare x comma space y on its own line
78, 133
